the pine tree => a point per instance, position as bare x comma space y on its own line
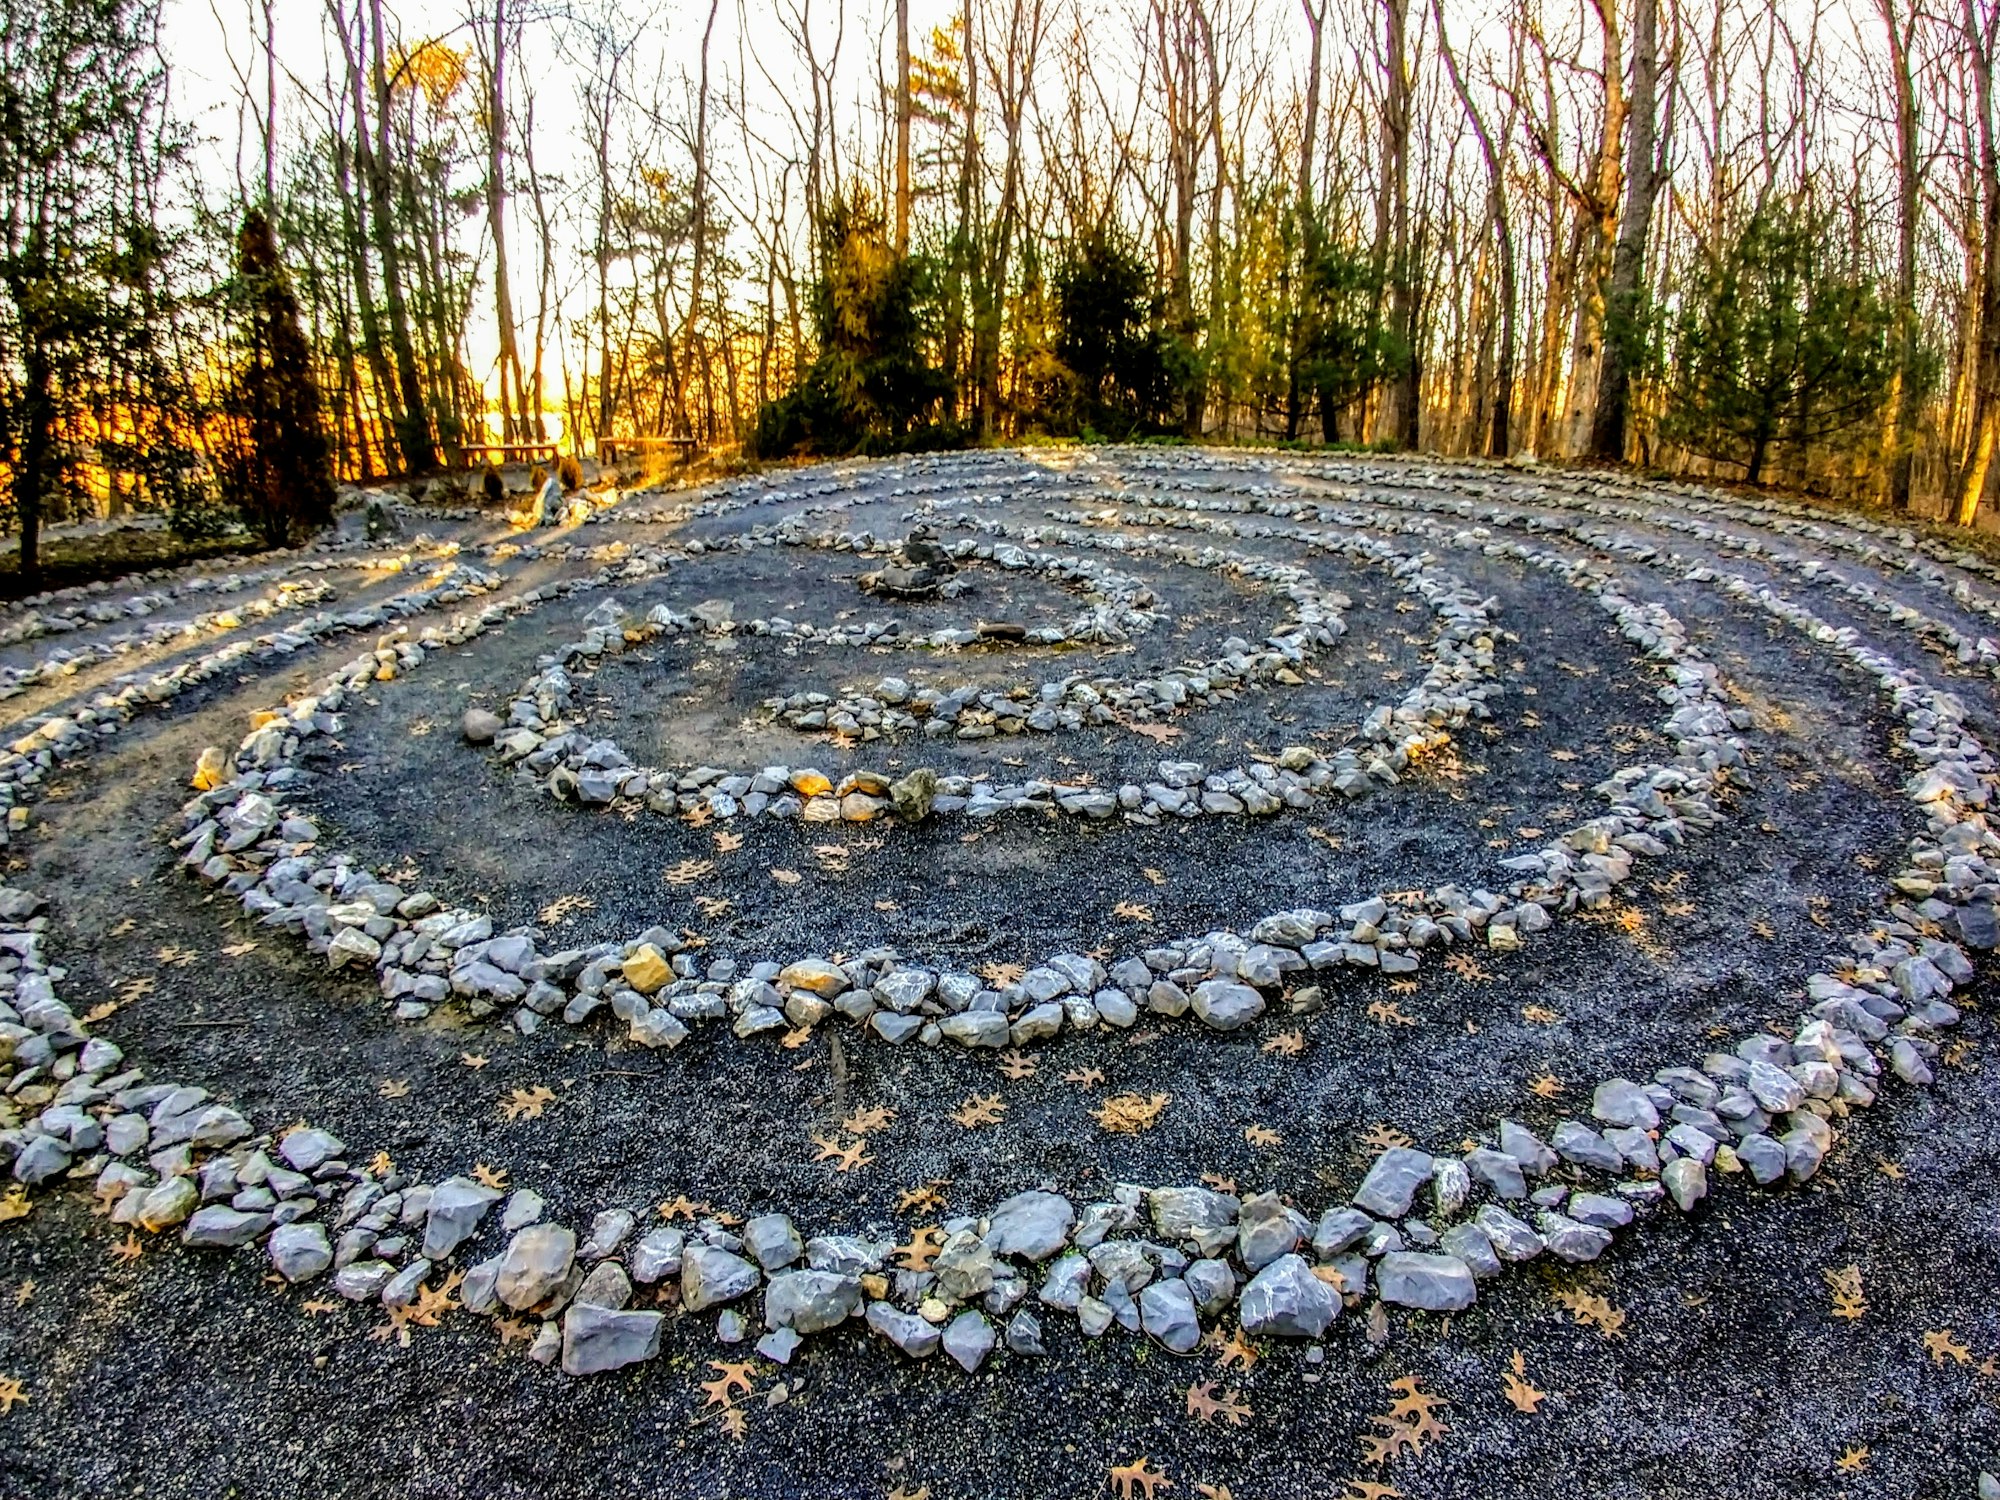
279, 472
1780, 345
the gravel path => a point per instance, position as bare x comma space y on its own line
1703, 1353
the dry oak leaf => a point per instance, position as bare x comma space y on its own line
1516, 1389
1547, 1086
14, 1204
1540, 1014
1845, 1286
922, 1249
1202, 1402
1001, 975
688, 871
1362, 1489
1286, 1044
381, 1164
11, 1394
786, 877
513, 1330
731, 1380
684, 1207
847, 1157
564, 907
1217, 1181
1016, 1064
128, 1249
1157, 877
714, 906
868, 1121
1940, 1344
1389, 1013
1132, 911
1381, 1138
527, 1104
1853, 1461
925, 1199
1418, 1407
474, 1060
1592, 1310
726, 842
922, 1492
1136, 1478
493, 1177
394, 1088
980, 1109
237, 950
1262, 1135
1234, 1350
318, 1306
1084, 1078
1128, 1114
1163, 734
796, 1038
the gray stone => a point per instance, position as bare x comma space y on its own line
1498, 1171
1167, 1312
457, 1206
1392, 1182
303, 1150
1194, 1213
219, 1228
1687, 1180
1469, 1243
710, 1276
1619, 1101
1024, 1334
1286, 1299
1512, 1239
1339, 1229
1226, 1005
968, 1339
779, 1345
1213, 1284
607, 1285
811, 1301
1033, 1225
1576, 1142
1570, 1239
906, 1331
300, 1251
1266, 1229
598, 1339
1432, 1283
773, 1240
536, 1262
607, 1232
480, 727
964, 1267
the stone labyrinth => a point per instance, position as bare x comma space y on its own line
1250, 908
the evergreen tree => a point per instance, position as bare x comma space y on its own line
1345, 349
1782, 344
1112, 374
278, 469
872, 386
81, 88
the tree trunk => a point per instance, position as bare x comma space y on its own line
1598, 208
514, 401
38, 448
1392, 221
1611, 413
1985, 429
1903, 433
902, 120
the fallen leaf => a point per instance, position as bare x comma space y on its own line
1540, 1014
1016, 1064
564, 907
1845, 1285
1132, 911
237, 950
1853, 1461
1234, 1350
394, 1088
1202, 1402
14, 1204
684, 1207
1128, 1114
493, 1177
980, 1109
848, 1157
1941, 1345
527, 1104
1002, 975
318, 1307
1084, 1078
733, 1378
714, 906
1516, 1389
922, 1249
925, 1199
1157, 877
1220, 1183
688, 871
727, 842
1162, 734
1262, 1135
473, 1060
868, 1121
1592, 1310
1547, 1086
1136, 1477
128, 1249
786, 877
11, 1394
1389, 1013
1286, 1044
1381, 1138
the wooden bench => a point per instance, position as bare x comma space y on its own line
611, 449
478, 454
